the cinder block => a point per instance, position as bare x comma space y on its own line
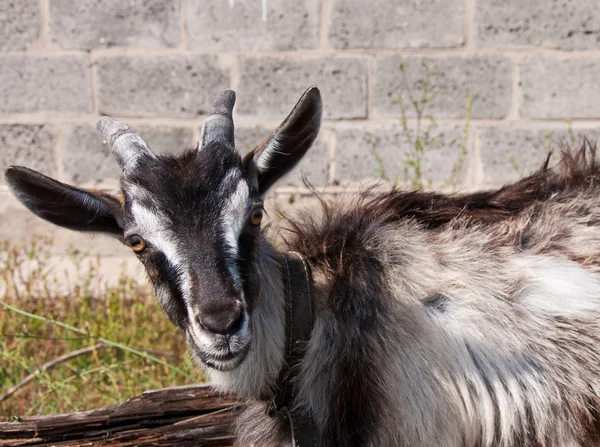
560, 88
269, 87
367, 152
19, 24
31, 84
29, 145
243, 25
394, 24
87, 160
159, 85
88, 24
509, 153
450, 80
314, 166
518, 24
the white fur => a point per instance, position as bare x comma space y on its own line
163, 295
264, 160
559, 286
235, 213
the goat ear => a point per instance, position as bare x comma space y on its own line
64, 205
279, 153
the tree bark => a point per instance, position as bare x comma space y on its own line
180, 416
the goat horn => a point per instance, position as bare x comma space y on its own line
126, 145
218, 124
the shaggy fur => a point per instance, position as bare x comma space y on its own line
454, 321
469, 321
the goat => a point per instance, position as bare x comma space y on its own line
440, 320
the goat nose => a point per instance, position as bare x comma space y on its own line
223, 321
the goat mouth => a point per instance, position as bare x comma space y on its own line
221, 360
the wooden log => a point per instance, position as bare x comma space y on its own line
180, 416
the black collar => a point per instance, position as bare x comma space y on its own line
299, 321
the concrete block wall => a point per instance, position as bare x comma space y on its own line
532, 68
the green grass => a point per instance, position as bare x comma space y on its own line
138, 347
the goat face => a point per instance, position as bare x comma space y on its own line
192, 220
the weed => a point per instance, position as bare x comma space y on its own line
421, 137
459, 165
123, 343
380, 171
513, 163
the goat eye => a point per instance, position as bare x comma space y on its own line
136, 243
256, 216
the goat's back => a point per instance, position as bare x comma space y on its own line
455, 321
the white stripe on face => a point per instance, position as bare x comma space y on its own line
153, 227
234, 217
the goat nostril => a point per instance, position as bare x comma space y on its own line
237, 324
223, 322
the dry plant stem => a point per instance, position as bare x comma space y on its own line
101, 339
56, 386
51, 364
421, 138
203, 416
458, 167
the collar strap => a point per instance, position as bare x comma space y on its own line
299, 321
